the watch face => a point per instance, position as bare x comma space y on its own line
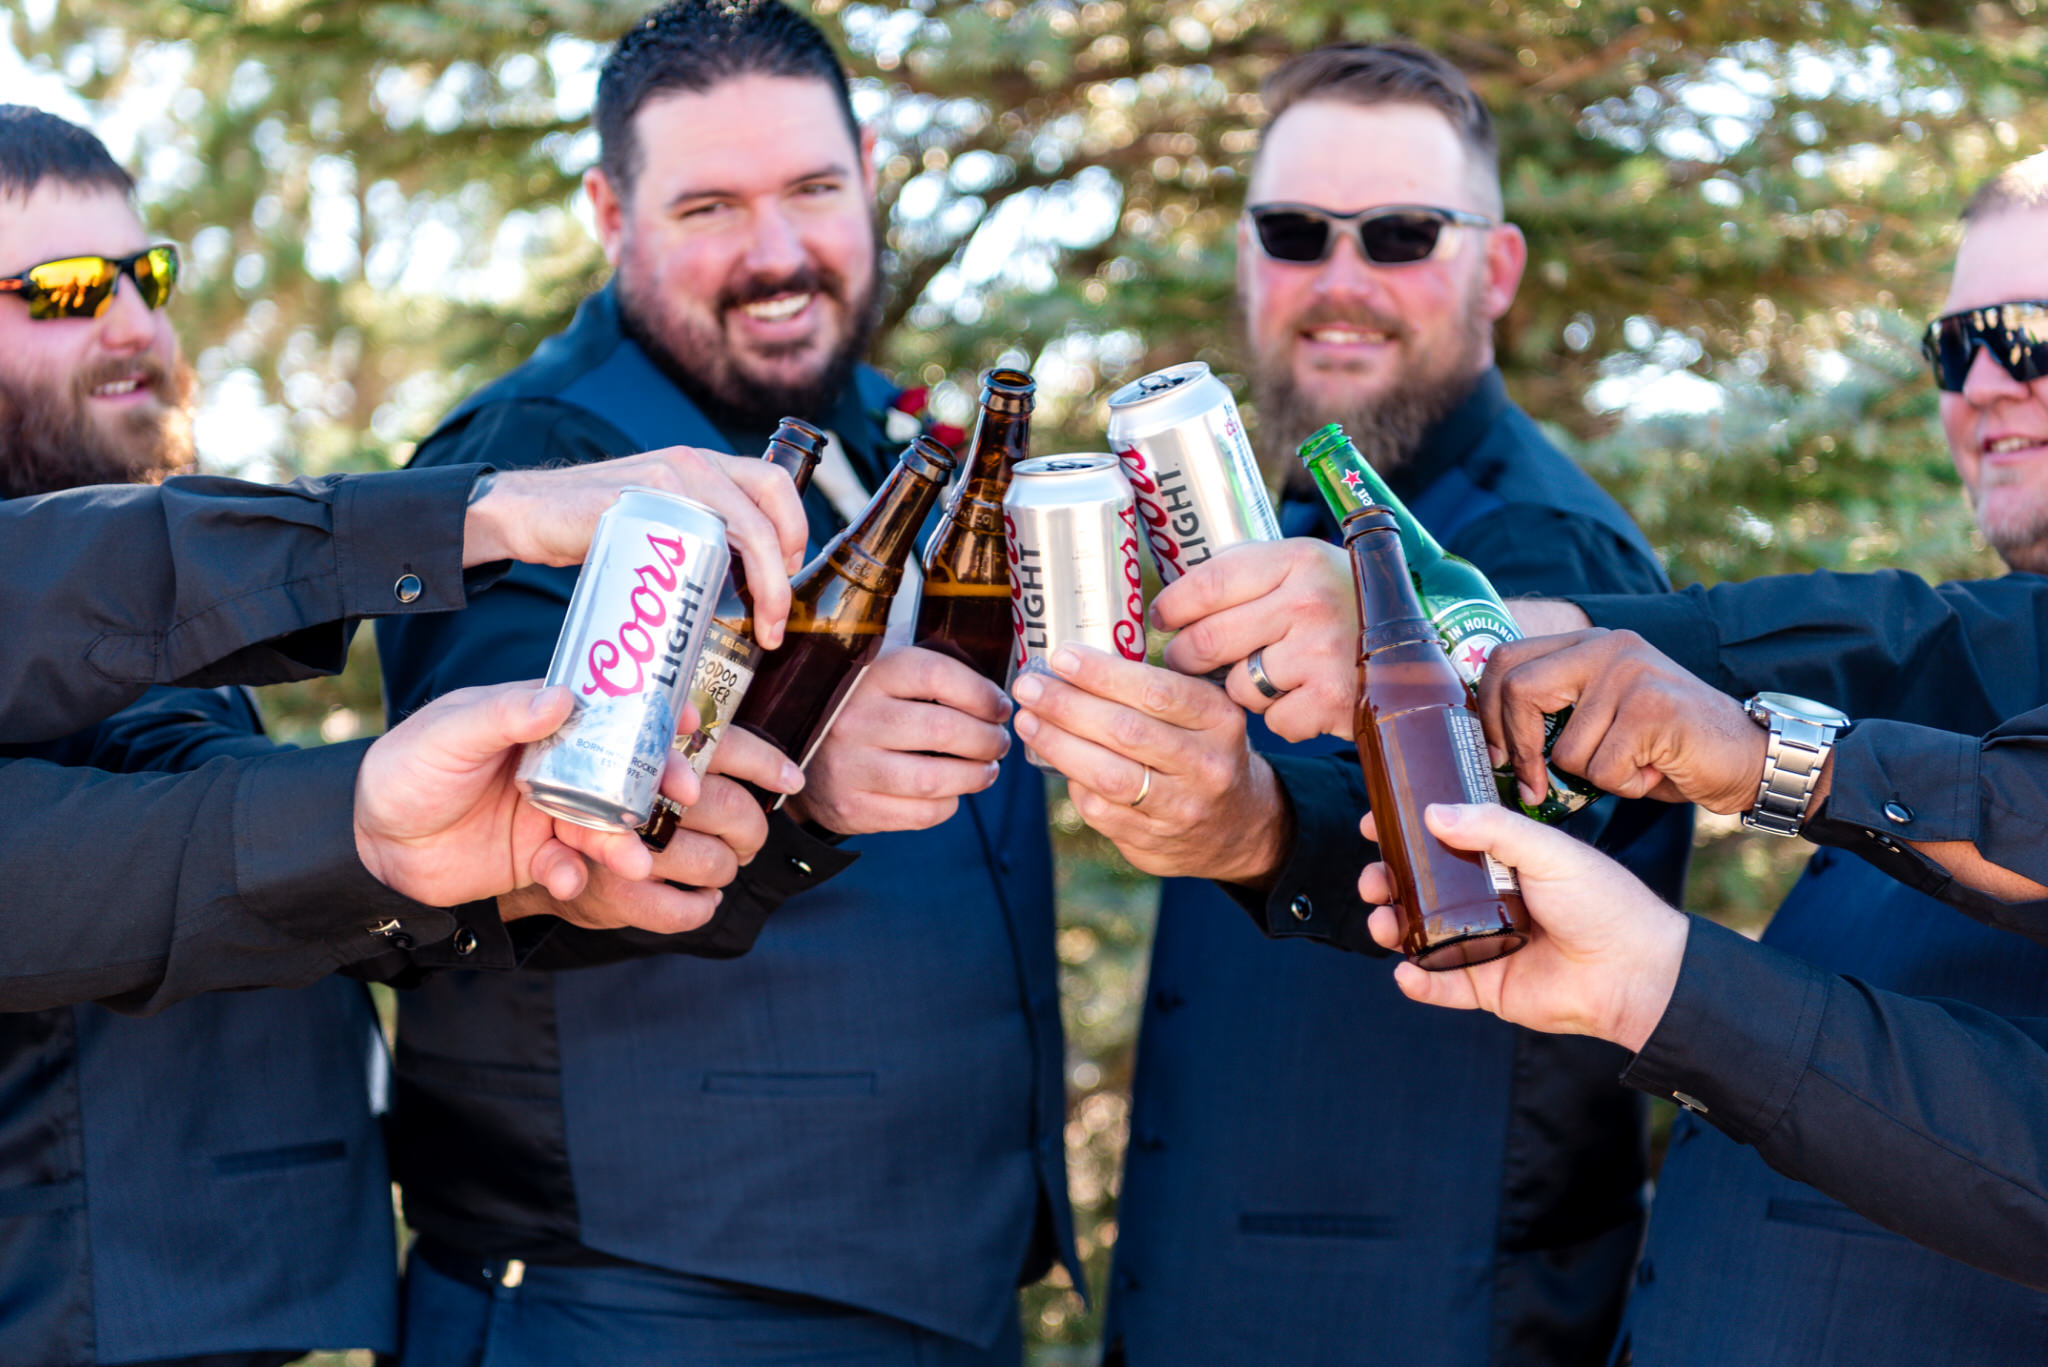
1802, 709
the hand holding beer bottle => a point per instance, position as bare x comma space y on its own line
1603, 953
839, 611
1419, 742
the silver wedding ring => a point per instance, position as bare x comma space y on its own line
1256, 668
1143, 788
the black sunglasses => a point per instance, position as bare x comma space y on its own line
82, 286
2015, 334
1397, 235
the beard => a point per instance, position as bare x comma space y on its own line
51, 440
694, 355
2018, 533
1387, 429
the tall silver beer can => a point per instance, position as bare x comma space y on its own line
627, 651
1075, 576
1184, 450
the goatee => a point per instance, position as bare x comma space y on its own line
1387, 430
51, 441
697, 360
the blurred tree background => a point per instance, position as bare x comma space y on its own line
1739, 212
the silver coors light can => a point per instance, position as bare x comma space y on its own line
1075, 576
1184, 449
627, 650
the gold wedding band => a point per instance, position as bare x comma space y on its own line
1143, 788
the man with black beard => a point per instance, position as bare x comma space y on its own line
846, 1144
175, 1110
1318, 1173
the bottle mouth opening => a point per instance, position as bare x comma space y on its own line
1005, 390
1326, 438
796, 429
930, 457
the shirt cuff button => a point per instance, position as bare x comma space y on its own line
465, 942
1898, 813
1690, 1102
1302, 908
800, 866
407, 588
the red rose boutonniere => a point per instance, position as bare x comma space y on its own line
905, 417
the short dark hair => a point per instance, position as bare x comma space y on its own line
36, 146
1388, 73
2022, 185
694, 45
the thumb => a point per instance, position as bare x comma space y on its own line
1536, 850
473, 726
1452, 990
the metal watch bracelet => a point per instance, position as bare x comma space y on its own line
1794, 755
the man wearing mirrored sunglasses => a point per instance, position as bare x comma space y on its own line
1791, 1072
92, 387
1280, 1087
207, 1184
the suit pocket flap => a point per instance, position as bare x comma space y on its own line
791, 1084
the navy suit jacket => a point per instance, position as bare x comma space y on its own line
867, 1108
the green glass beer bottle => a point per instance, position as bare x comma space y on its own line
1459, 599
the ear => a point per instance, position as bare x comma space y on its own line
868, 172
1507, 254
609, 211
1245, 248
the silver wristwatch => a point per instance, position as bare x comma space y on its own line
1802, 732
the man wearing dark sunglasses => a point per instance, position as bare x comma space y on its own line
1280, 1088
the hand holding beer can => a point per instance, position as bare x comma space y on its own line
1075, 578
628, 648
1197, 481
1191, 466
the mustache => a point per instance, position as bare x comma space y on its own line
808, 279
146, 367
1363, 316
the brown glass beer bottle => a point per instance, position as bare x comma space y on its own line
965, 609
839, 610
1419, 741
731, 654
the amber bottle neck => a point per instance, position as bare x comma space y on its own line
871, 552
1001, 439
1387, 602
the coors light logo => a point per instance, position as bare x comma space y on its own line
645, 634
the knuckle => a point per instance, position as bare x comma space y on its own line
934, 813
1156, 696
1202, 637
1127, 729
